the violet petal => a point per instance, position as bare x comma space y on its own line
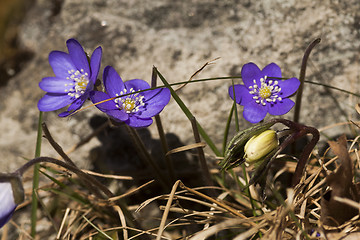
156, 105
249, 72
7, 206
281, 107
254, 112
289, 86
51, 102
55, 85
78, 55
112, 81
272, 70
61, 63
139, 122
95, 63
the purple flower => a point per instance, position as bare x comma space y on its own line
136, 110
74, 78
8, 205
263, 92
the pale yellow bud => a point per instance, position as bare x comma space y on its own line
260, 145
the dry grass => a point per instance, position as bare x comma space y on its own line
195, 213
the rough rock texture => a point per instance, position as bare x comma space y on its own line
178, 37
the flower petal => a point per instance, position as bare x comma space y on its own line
52, 101
117, 115
254, 112
112, 81
272, 70
97, 96
75, 105
61, 63
78, 56
289, 87
95, 63
108, 107
7, 206
237, 88
249, 72
54, 84
281, 107
242, 94
138, 122
155, 105
136, 84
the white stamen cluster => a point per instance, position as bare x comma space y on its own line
79, 84
130, 103
266, 92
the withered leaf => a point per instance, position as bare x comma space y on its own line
334, 213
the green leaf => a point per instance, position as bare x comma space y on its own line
189, 114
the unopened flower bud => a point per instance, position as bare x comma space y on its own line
234, 153
260, 145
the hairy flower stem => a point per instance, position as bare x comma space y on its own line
299, 131
164, 144
55, 145
66, 158
202, 160
146, 157
302, 78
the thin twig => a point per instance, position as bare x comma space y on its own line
197, 72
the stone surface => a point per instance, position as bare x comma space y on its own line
178, 37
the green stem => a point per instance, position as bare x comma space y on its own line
34, 201
227, 127
335, 88
235, 111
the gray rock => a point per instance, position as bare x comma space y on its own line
178, 37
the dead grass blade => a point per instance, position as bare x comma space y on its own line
130, 192
167, 208
117, 177
122, 220
186, 148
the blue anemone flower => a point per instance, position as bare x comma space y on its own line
8, 202
263, 92
135, 109
74, 78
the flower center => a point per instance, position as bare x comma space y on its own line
266, 92
79, 84
130, 103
